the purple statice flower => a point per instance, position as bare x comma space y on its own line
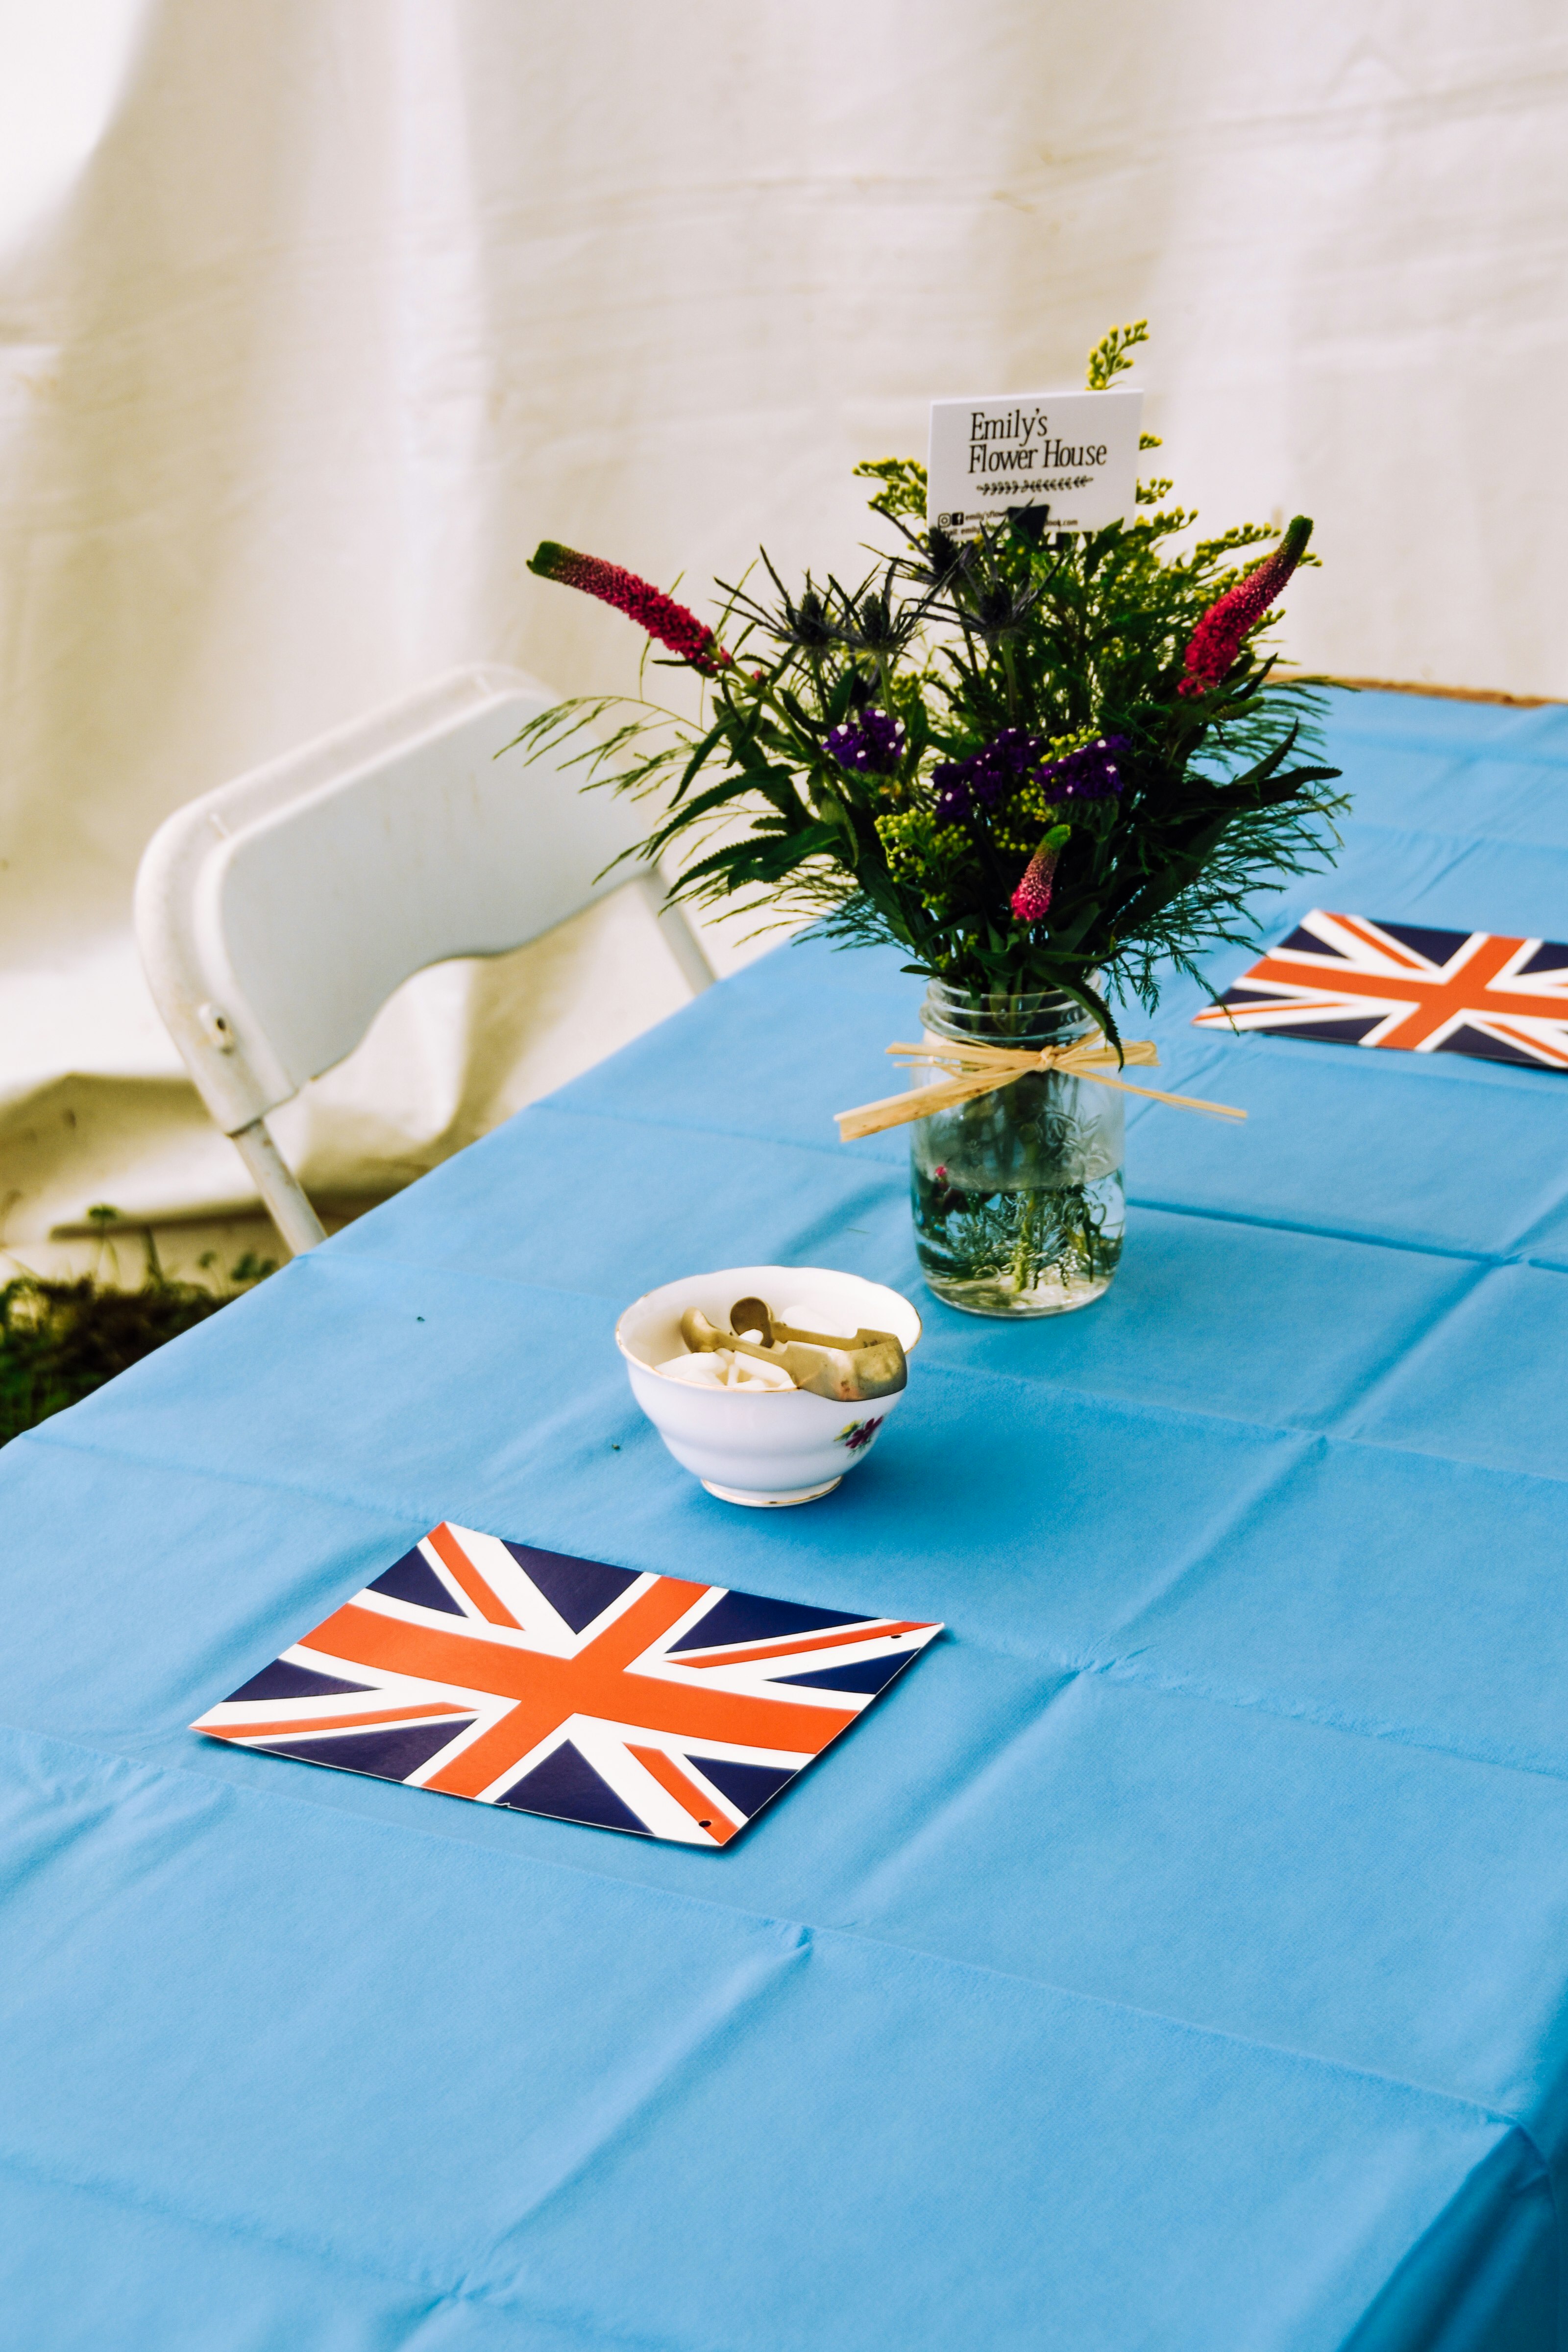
988, 775
1087, 774
872, 742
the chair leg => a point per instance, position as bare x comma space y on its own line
677, 935
278, 1186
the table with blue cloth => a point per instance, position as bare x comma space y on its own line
1176, 1957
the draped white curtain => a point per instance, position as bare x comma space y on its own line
316, 315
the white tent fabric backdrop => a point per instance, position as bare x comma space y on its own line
316, 315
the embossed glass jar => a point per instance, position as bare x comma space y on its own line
1018, 1201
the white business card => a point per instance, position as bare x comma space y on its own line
1073, 453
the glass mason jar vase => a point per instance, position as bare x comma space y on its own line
1018, 1200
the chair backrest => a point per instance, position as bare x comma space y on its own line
277, 914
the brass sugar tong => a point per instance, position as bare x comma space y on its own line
871, 1364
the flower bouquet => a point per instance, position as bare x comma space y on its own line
1047, 767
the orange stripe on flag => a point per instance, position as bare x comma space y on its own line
1468, 991
1378, 944
787, 1644
495, 1751
453, 1557
1536, 1045
323, 1722
596, 1682
1227, 1015
671, 1776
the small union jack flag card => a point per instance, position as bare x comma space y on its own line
1356, 982
563, 1686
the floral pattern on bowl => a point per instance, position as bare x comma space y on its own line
858, 1434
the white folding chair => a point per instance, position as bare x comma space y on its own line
276, 915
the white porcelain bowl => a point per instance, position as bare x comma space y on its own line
763, 1446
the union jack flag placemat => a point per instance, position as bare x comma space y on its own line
1356, 982
555, 1686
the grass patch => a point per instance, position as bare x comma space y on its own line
61, 1339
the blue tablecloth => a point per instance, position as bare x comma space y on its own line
1175, 1958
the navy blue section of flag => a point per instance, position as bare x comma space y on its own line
411, 1578
281, 1680
1344, 980
566, 1787
581, 1589
568, 1688
745, 1617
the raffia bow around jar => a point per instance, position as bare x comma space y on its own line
1047, 767
981, 1069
